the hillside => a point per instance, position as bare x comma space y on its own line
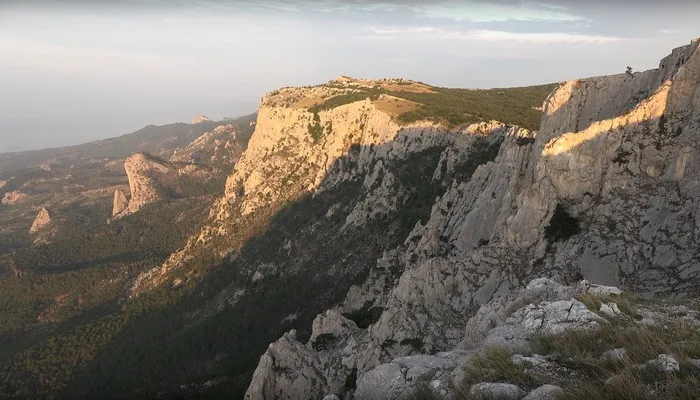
65, 261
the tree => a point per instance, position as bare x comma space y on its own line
629, 70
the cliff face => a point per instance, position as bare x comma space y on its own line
152, 179
608, 190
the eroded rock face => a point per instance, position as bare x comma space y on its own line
42, 220
617, 154
120, 203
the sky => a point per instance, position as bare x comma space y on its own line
74, 71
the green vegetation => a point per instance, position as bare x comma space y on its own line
495, 365
483, 150
452, 107
343, 99
625, 378
315, 128
189, 333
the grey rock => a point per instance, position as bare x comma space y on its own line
501, 391
545, 392
610, 309
665, 363
534, 360
614, 355
385, 381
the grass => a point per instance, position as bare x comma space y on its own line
495, 365
624, 301
625, 379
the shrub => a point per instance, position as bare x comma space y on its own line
315, 128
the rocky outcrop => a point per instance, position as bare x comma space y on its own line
607, 190
143, 173
42, 220
153, 179
337, 345
200, 119
14, 197
120, 203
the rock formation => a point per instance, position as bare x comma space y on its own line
607, 190
42, 220
14, 197
120, 203
200, 118
153, 179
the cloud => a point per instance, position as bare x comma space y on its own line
496, 36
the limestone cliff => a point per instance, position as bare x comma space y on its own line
608, 190
152, 179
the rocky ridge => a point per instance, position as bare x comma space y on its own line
219, 149
607, 191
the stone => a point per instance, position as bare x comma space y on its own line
664, 362
385, 381
610, 309
42, 220
614, 355
501, 391
545, 392
535, 360
331, 397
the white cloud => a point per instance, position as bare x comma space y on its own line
544, 38
496, 36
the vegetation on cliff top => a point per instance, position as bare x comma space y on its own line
451, 107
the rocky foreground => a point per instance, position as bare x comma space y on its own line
546, 341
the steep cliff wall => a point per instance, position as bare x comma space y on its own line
608, 190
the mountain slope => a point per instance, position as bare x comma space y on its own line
606, 191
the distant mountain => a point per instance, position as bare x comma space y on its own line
161, 140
